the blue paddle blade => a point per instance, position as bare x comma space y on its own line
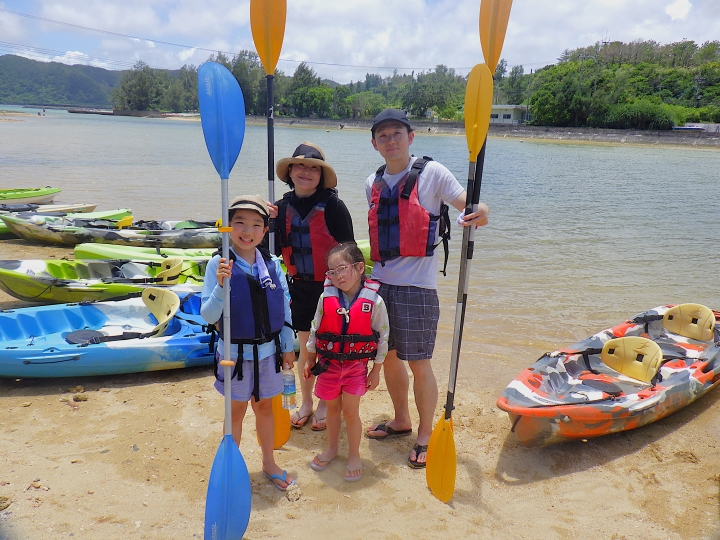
222, 114
227, 507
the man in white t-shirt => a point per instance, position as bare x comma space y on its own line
399, 230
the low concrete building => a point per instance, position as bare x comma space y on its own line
509, 114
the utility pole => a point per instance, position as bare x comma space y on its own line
698, 96
527, 101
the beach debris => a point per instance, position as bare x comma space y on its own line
75, 461
76, 390
34, 484
80, 397
5, 502
134, 448
27, 404
293, 493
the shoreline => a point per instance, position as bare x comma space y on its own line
616, 137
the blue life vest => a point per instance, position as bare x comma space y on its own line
257, 314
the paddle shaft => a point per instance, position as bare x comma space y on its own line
271, 151
227, 372
468, 246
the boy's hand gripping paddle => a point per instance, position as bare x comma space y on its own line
441, 465
222, 114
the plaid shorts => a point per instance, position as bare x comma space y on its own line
414, 313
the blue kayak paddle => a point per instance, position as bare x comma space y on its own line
222, 114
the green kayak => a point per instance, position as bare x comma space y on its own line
91, 251
61, 281
28, 195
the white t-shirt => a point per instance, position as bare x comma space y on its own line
434, 185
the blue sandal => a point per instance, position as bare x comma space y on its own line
283, 478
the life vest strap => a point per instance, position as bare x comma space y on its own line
301, 251
389, 200
303, 277
256, 341
388, 221
300, 229
345, 357
348, 338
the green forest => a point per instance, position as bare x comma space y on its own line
639, 85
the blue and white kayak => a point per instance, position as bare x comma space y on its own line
154, 332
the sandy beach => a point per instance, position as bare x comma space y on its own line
129, 457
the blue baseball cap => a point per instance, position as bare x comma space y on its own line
390, 115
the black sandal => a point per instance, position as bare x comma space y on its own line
419, 449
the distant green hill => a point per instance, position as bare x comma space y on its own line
29, 82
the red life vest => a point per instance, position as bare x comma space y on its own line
346, 333
399, 225
305, 242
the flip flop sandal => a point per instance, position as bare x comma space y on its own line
301, 421
353, 478
283, 478
419, 449
322, 427
389, 432
319, 464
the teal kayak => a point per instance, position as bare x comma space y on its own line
28, 195
60, 281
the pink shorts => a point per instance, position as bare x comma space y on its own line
348, 376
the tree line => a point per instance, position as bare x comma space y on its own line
641, 85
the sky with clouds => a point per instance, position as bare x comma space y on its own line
341, 39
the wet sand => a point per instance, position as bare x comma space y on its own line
131, 459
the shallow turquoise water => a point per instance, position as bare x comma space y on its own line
580, 237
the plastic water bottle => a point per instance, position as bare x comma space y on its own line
288, 394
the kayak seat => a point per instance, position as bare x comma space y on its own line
635, 357
163, 304
62, 270
170, 273
693, 321
134, 271
100, 270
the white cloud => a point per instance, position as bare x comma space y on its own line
77, 57
678, 9
409, 34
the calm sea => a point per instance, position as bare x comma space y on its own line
581, 236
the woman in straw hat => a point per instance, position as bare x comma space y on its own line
311, 220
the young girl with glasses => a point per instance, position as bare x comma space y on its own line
350, 328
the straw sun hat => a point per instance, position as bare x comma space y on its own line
308, 154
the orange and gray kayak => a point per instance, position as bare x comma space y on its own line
622, 378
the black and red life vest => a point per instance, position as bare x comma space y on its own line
346, 333
305, 242
399, 225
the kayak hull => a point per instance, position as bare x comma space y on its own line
552, 401
69, 210
71, 235
110, 251
113, 251
62, 281
33, 344
28, 195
